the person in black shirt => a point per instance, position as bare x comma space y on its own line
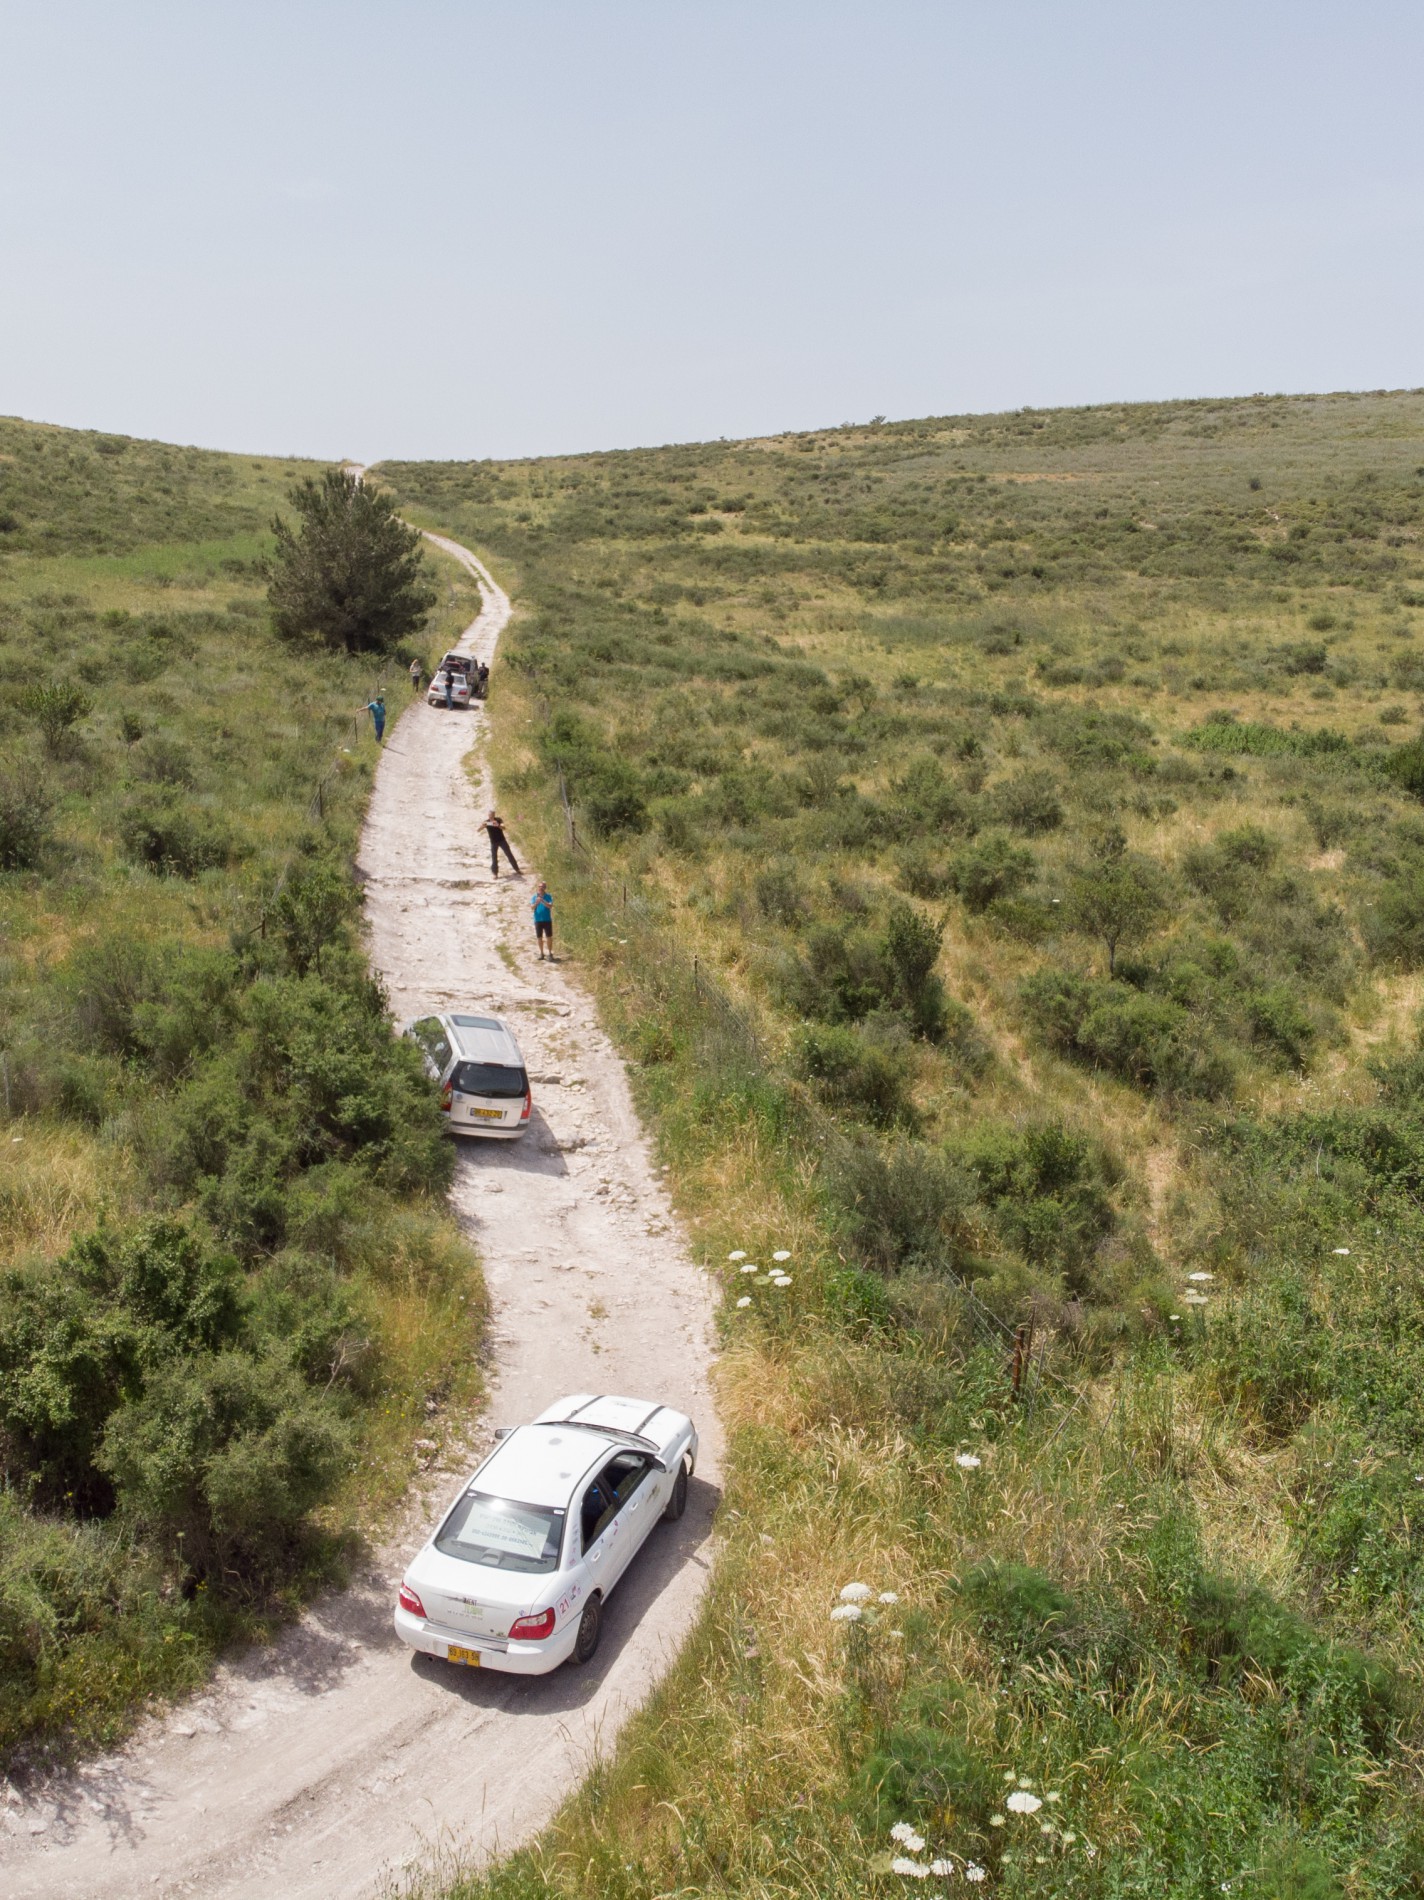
494, 825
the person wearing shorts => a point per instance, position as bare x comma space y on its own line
543, 903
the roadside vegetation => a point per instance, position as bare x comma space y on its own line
230, 1296
1000, 850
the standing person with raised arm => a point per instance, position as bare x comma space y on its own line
494, 825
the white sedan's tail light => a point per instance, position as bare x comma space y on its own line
410, 1601
532, 1629
528, 1104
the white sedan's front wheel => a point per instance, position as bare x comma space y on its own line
589, 1630
677, 1503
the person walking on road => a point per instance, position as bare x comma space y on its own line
377, 709
417, 675
543, 903
494, 825
449, 690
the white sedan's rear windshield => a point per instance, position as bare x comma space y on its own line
496, 1079
502, 1534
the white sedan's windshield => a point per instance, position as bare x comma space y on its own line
502, 1534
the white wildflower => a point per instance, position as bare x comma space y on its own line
781, 1279
1344, 1250
1174, 1316
1021, 1802
1053, 1797
1025, 1781
1201, 1276
967, 1461
973, 1871
1068, 1839
906, 1836
943, 1868
745, 1300
888, 1596
750, 1267
996, 1820
782, 1253
1011, 1774
1194, 1299
911, 1869
846, 1613
740, 1254
856, 1593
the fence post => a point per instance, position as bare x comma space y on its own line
1023, 1332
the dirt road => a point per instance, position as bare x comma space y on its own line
326, 1765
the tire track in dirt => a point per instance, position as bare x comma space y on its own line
330, 1762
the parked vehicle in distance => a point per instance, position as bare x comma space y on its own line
459, 694
517, 1573
476, 1064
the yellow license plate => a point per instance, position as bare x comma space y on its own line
489, 1114
470, 1656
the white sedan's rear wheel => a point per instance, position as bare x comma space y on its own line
677, 1503
589, 1630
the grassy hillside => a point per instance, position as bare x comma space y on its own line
226, 1278
1000, 850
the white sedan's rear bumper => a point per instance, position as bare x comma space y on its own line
517, 1659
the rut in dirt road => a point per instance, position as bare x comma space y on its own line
327, 1764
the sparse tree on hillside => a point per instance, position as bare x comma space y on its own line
354, 575
1118, 897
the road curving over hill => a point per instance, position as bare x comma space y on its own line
333, 1761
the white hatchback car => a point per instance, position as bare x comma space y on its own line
484, 1085
459, 694
517, 1574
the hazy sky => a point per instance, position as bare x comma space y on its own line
463, 229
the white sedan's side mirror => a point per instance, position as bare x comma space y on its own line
503, 1431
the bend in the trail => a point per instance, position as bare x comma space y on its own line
325, 1765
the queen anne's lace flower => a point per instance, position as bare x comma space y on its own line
740, 1254
888, 1596
967, 1461
911, 1869
907, 1837
974, 1872
745, 1300
856, 1593
1022, 1802
846, 1613
782, 1253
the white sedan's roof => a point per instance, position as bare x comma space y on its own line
541, 1464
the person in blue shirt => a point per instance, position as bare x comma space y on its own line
377, 709
543, 903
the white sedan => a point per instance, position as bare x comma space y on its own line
517, 1574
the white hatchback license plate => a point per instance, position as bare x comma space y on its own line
488, 1114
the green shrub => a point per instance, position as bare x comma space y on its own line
851, 1069
26, 814
1148, 1040
990, 869
174, 839
1049, 1191
1029, 802
904, 1205
223, 1458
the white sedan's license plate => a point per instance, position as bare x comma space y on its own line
487, 1114
470, 1657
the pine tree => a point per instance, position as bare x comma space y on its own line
354, 576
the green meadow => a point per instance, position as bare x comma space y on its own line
997, 844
